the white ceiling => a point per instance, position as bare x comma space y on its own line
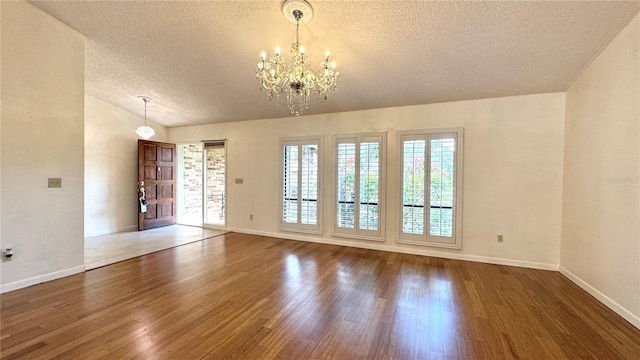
197, 60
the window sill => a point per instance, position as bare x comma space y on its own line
300, 230
430, 244
358, 237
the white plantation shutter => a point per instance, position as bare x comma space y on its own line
301, 186
346, 163
431, 180
442, 184
369, 168
413, 175
290, 185
359, 180
309, 185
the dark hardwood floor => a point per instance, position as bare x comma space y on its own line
252, 297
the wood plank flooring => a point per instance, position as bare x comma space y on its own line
241, 296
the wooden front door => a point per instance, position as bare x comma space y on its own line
157, 168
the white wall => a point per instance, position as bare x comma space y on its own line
111, 166
512, 172
42, 76
601, 215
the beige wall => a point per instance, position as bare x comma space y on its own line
512, 172
601, 217
42, 76
111, 166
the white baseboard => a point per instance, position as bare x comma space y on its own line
404, 250
112, 231
611, 304
40, 279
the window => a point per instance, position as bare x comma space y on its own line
301, 190
430, 178
360, 173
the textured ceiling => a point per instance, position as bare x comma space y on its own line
197, 60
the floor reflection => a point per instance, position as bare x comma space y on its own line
404, 304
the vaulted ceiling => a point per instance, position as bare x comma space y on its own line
197, 60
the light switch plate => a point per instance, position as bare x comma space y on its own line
239, 181
55, 182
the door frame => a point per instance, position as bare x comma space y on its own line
180, 182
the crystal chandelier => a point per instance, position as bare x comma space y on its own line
145, 131
297, 82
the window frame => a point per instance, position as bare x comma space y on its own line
426, 239
298, 226
356, 233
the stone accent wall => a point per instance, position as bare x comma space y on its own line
192, 183
215, 185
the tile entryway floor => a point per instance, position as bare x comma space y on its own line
112, 248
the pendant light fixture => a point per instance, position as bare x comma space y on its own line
145, 131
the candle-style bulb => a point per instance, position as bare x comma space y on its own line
301, 49
277, 50
327, 54
263, 56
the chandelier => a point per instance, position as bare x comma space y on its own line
297, 81
145, 131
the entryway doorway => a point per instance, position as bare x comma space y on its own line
202, 185
156, 184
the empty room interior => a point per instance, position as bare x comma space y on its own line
334, 179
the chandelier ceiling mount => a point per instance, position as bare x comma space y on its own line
290, 9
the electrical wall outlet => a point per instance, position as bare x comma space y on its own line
250, 216
54, 182
7, 254
500, 239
